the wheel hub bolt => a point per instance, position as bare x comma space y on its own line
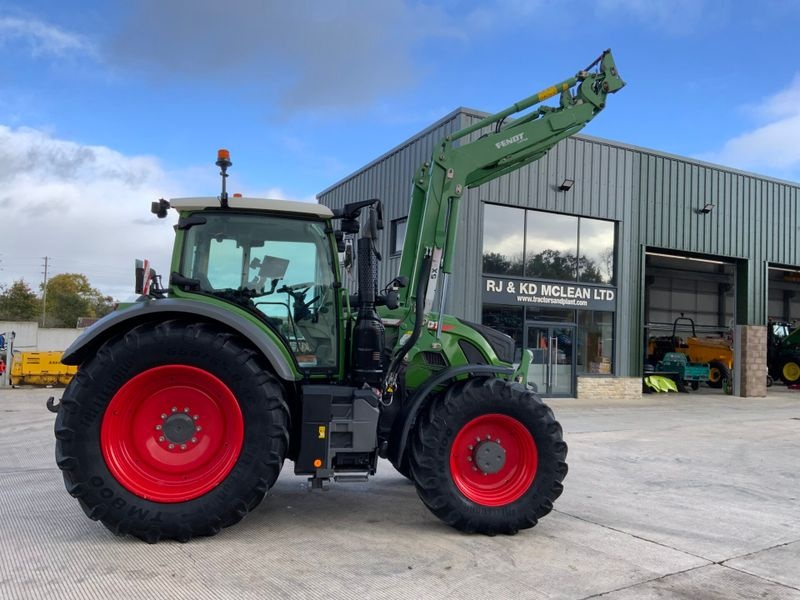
183, 446
158, 427
171, 446
186, 410
163, 415
194, 440
198, 428
161, 439
174, 409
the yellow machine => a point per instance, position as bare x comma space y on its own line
717, 352
40, 368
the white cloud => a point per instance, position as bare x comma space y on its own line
42, 38
772, 146
85, 207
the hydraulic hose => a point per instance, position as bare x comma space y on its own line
422, 288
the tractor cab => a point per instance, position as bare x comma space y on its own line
273, 258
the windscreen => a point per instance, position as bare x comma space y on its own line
280, 267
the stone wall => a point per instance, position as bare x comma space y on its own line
610, 388
753, 361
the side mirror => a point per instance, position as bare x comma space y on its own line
144, 277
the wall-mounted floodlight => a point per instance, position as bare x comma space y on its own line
706, 209
566, 185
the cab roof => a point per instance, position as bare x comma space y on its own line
266, 204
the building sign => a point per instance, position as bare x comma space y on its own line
538, 292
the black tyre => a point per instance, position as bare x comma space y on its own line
488, 457
172, 430
717, 372
695, 385
790, 370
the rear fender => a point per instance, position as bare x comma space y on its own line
264, 340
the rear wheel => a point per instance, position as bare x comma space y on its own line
717, 372
171, 431
488, 457
790, 371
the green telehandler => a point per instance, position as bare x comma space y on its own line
187, 402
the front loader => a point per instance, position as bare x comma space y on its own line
187, 402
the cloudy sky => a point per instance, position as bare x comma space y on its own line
107, 106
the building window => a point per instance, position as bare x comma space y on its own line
503, 239
595, 344
551, 243
596, 247
555, 272
398, 235
537, 244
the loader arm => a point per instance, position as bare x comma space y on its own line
458, 163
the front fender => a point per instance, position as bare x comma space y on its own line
267, 343
401, 428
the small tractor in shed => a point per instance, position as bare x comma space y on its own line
187, 402
783, 352
717, 353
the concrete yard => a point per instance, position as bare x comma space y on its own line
685, 496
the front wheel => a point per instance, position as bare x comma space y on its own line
717, 373
790, 371
488, 457
172, 430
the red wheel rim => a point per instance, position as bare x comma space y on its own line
172, 433
476, 465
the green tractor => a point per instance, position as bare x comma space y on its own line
187, 402
783, 352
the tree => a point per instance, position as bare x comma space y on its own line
500, 264
71, 296
551, 264
19, 303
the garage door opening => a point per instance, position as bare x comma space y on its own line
783, 338
689, 318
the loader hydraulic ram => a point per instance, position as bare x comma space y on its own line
187, 402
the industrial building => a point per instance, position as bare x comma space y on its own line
588, 253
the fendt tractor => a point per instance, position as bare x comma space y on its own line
187, 402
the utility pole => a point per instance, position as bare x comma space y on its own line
44, 294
